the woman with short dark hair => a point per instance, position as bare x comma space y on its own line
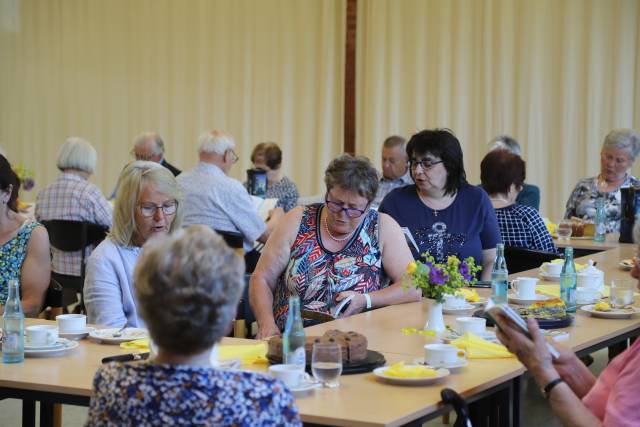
502, 174
267, 156
445, 215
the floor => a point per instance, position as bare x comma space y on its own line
535, 410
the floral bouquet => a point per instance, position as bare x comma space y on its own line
437, 279
26, 177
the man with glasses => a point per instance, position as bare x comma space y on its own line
214, 199
395, 170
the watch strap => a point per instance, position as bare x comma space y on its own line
550, 386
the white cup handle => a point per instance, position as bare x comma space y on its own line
514, 285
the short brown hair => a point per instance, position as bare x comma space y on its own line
352, 173
270, 152
499, 169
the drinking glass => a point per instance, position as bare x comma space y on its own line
326, 363
621, 294
564, 229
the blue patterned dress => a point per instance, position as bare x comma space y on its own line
318, 274
12, 255
147, 394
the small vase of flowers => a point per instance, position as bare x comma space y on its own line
437, 280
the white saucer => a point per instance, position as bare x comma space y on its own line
305, 387
450, 366
57, 345
77, 335
67, 346
380, 373
128, 334
549, 277
464, 309
615, 313
521, 301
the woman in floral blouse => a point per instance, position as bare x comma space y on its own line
619, 150
267, 156
188, 286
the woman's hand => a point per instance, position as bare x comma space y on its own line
356, 305
267, 331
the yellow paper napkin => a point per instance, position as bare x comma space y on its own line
411, 331
478, 348
248, 354
400, 370
142, 344
578, 265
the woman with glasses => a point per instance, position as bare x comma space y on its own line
267, 156
327, 252
148, 205
445, 215
619, 150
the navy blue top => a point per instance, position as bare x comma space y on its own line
463, 229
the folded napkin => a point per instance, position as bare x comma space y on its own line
248, 354
142, 344
400, 370
411, 331
478, 348
578, 265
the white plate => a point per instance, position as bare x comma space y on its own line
57, 345
513, 299
78, 335
380, 373
626, 264
464, 309
129, 334
486, 335
305, 387
615, 313
450, 366
67, 346
549, 277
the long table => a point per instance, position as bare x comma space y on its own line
361, 399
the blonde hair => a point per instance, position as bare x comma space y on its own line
77, 153
130, 182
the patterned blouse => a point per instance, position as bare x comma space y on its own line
12, 255
318, 274
286, 192
582, 202
523, 227
147, 394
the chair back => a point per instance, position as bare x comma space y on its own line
522, 259
232, 238
53, 298
244, 314
450, 397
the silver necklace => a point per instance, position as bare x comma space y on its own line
499, 199
326, 227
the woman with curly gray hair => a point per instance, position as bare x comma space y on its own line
327, 252
619, 150
188, 286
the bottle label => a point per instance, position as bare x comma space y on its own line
10, 342
297, 357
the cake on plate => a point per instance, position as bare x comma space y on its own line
354, 345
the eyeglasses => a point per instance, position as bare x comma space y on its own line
149, 209
336, 208
234, 157
426, 164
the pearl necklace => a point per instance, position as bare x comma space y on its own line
326, 227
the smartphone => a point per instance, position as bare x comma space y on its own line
493, 309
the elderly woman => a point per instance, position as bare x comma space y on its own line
72, 197
327, 252
502, 175
148, 205
445, 215
24, 247
188, 286
619, 150
267, 156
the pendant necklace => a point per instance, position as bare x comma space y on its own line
326, 227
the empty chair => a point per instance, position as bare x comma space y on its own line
521, 259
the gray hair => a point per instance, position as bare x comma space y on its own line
188, 286
623, 139
352, 173
216, 141
158, 146
77, 153
130, 182
505, 142
394, 141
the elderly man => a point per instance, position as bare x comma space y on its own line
395, 172
149, 146
218, 201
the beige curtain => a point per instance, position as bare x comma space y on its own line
105, 70
555, 74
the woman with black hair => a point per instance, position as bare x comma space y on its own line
445, 215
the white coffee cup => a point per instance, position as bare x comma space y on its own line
71, 323
454, 301
476, 325
525, 287
41, 335
438, 355
290, 375
552, 269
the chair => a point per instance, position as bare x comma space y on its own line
72, 236
53, 299
232, 238
244, 315
450, 397
521, 259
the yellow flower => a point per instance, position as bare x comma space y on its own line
411, 267
453, 261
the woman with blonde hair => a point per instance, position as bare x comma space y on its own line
148, 205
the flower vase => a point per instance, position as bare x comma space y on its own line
435, 320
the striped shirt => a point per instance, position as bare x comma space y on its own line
523, 227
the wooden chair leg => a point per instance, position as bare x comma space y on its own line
445, 418
57, 415
239, 328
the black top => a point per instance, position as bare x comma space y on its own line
174, 170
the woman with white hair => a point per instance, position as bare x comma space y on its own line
619, 150
148, 205
72, 197
188, 286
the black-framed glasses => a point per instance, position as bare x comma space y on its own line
336, 208
149, 209
426, 164
234, 157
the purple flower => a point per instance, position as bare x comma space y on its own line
464, 270
437, 276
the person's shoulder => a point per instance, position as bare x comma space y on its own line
402, 193
473, 194
586, 182
634, 181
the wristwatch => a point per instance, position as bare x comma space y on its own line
546, 390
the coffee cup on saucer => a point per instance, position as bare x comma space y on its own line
438, 355
552, 269
454, 302
41, 335
525, 287
476, 325
290, 375
71, 323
